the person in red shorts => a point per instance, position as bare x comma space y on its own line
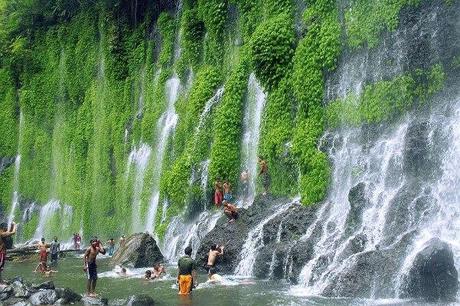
4, 234
218, 193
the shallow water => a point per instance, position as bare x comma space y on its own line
234, 290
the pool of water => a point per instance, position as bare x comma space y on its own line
233, 290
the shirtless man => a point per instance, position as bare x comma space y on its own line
158, 270
90, 266
231, 211
4, 233
263, 173
212, 256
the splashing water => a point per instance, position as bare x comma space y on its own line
252, 119
165, 127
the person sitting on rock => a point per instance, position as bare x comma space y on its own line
215, 251
186, 276
158, 271
231, 211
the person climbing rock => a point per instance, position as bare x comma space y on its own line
55, 247
5, 234
218, 195
263, 173
90, 266
186, 276
244, 180
215, 251
111, 248
227, 191
231, 211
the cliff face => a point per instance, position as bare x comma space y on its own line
124, 114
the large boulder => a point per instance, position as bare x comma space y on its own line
433, 275
45, 297
139, 250
67, 296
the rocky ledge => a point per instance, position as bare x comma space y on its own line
18, 292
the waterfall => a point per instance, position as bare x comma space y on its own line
46, 213
204, 180
254, 242
140, 158
251, 132
17, 167
165, 127
181, 234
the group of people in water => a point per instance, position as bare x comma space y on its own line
223, 195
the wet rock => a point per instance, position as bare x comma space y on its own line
140, 300
358, 201
139, 250
5, 162
66, 296
433, 275
20, 290
45, 285
18, 302
45, 297
6, 292
86, 300
233, 235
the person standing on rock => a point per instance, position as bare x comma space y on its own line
186, 276
215, 251
55, 248
90, 266
263, 173
4, 235
218, 194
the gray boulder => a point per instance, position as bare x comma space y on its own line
43, 286
139, 250
67, 296
86, 300
140, 300
45, 297
433, 275
6, 292
20, 290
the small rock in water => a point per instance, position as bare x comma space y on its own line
140, 300
87, 300
45, 297
433, 275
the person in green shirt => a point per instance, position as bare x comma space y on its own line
186, 276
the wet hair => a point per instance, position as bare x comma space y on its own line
188, 250
92, 240
4, 226
214, 247
43, 239
148, 273
123, 270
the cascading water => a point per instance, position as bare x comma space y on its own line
140, 158
17, 167
251, 133
254, 242
46, 213
165, 127
181, 234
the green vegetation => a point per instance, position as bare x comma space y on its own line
386, 100
367, 19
